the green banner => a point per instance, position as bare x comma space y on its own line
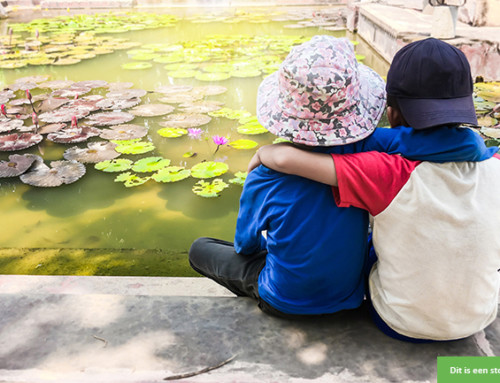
468, 369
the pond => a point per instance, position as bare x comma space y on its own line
110, 222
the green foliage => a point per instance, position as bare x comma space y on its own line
150, 164
171, 174
209, 189
239, 178
116, 165
209, 169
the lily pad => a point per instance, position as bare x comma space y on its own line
232, 114
19, 141
59, 172
180, 98
16, 165
10, 125
63, 115
116, 165
187, 120
245, 73
95, 152
109, 118
251, 128
137, 65
209, 169
491, 132
201, 106
186, 73
118, 103
151, 110
172, 132
131, 180
150, 164
125, 94
243, 144
72, 91
124, 132
133, 146
209, 189
173, 89
92, 83
486, 121
215, 76
171, 174
56, 84
239, 178
73, 135
52, 103
51, 128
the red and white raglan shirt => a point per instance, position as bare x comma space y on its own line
436, 234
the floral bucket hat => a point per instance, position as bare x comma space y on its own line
321, 95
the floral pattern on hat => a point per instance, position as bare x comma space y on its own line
321, 95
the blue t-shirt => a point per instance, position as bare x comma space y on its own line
316, 250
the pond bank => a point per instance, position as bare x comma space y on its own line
133, 329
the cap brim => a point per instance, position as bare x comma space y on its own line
345, 129
428, 113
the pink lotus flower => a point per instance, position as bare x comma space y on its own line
219, 140
28, 94
4, 111
194, 132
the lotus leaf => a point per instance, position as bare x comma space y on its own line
210, 90
251, 128
63, 115
151, 110
86, 103
137, 65
189, 154
201, 106
95, 152
491, 132
112, 166
239, 179
71, 92
125, 94
209, 189
487, 121
172, 132
243, 144
490, 95
52, 103
134, 146
209, 169
171, 174
145, 56
16, 165
73, 135
92, 83
189, 120
180, 66
244, 73
51, 128
13, 64
180, 98
112, 86
173, 89
9, 125
56, 84
150, 164
492, 142
131, 180
182, 73
16, 141
218, 67
232, 114
118, 103
124, 132
109, 118
218, 76
60, 172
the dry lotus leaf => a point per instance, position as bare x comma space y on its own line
126, 93
16, 165
201, 106
151, 110
51, 128
56, 84
73, 135
52, 103
110, 118
124, 132
118, 103
71, 92
92, 83
9, 125
20, 101
94, 153
88, 103
19, 141
63, 114
188, 120
60, 172
173, 89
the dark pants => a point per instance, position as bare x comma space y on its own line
216, 259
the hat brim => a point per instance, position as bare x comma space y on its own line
428, 113
351, 126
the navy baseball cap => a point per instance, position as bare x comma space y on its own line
432, 83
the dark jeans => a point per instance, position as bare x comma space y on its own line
216, 259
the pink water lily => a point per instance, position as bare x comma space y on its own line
219, 140
28, 94
4, 110
74, 122
194, 132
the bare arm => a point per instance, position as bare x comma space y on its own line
288, 159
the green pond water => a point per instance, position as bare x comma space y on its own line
96, 226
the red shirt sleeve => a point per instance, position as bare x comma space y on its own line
370, 180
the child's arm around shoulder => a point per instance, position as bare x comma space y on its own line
288, 159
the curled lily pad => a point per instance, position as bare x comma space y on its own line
243, 144
10, 125
209, 189
186, 120
125, 94
172, 132
133, 146
171, 174
73, 135
209, 169
95, 152
239, 178
116, 165
137, 65
51, 128
150, 164
19, 141
16, 165
124, 132
131, 180
251, 128
118, 103
151, 110
109, 118
59, 172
